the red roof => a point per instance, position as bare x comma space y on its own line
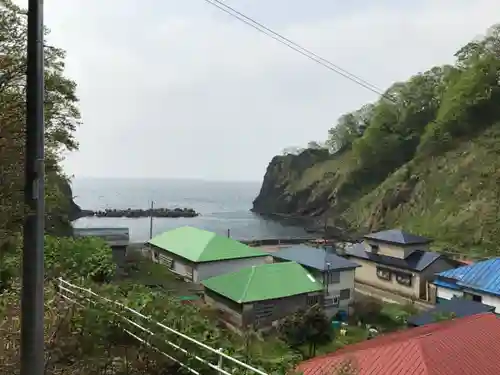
465, 346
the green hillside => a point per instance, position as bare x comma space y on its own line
425, 156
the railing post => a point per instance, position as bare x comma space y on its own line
219, 364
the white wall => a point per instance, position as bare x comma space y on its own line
446, 293
487, 299
346, 281
492, 301
210, 269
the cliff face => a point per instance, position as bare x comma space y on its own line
61, 208
453, 198
279, 193
425, 156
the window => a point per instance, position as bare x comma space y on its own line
345, 294
374, 248
313, 300
404, 279
384, 273
477, 298
332, 277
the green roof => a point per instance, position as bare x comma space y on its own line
199, 245
263, 282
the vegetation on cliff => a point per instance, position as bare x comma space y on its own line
425, 157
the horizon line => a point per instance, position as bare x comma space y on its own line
160, 178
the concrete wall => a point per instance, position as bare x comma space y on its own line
367, 274
210, 269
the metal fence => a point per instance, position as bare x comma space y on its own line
225, 363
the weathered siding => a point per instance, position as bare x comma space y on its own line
260, 314
198, 272
367, 274
174, 263
210, 269
231, 311
277, 309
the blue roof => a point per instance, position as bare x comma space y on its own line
313, 257
397, 236
446, 284
458, 306
418, 260
482, 276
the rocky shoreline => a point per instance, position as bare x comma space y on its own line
140, 213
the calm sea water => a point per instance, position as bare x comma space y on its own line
222, 205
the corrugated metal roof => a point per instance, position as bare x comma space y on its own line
112, 236
418, 260
264, 282
465, 346
397, 236
446, 284
198, 245
458, 306
482, 276
313, 257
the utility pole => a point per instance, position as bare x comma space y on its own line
32, 298
151, 220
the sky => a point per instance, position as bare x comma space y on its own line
179, 89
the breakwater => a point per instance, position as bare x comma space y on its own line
139, 213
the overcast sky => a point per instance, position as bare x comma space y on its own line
178, 89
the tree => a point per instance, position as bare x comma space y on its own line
61, 118
309, 326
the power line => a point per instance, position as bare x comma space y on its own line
296, 47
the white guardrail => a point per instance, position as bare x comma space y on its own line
73, 293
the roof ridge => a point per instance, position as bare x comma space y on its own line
245, 291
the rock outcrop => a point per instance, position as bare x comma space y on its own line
280, 193
138, 213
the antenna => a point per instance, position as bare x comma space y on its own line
151, 220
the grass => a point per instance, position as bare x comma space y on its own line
456, 199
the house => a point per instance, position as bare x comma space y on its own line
479, 282
397, 262
260, 295
333, 271
197, 254
464, 346
455, 307
117, 239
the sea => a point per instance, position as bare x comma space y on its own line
222, 206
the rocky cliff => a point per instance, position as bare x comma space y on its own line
425, 156
61, 208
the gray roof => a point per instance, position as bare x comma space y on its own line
397, 236
458, 306
112, 236
418, 260
314, 257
